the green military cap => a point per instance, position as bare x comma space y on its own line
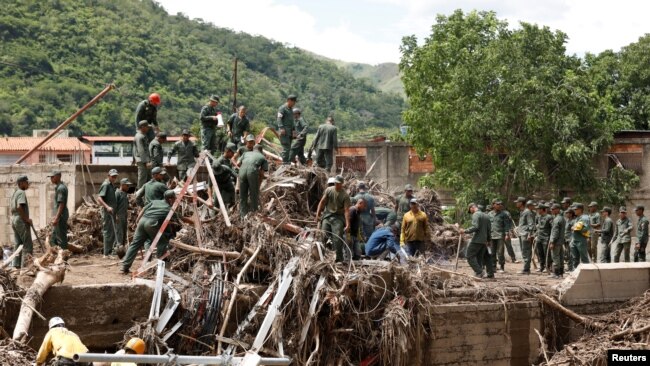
125, 181
593, 204
214, 98
292, 97
338, 179
143, 123
469, 207
156, 170
22, 178
578, 205
481, 207
296, 111
54, 173
161, 134
552, 201
330, 119
170, 194
556, 206
541, 205
498, 202
566, 200
622, 209
530, 203
569, 210
494, 201
408, 187
606, 209
250, 137
361, 185
113, 172
232, 147
186, 132
640, 207
520, 199
163, 171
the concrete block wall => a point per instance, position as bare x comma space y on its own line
484, 334
605, 282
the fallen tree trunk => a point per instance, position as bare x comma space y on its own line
573, 316
45, 278
621, 335
288, 227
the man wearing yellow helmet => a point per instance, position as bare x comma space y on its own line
135, 346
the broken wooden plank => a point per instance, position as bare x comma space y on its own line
312, 309
205, 251
215, 187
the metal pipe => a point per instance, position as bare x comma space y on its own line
172, 359
65, 123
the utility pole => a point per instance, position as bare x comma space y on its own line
234, 87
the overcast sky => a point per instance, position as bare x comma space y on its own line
370, 31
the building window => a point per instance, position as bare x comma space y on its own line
64, 158
42, 158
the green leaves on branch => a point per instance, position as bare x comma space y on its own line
504, 111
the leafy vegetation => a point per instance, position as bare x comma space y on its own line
56, 55
506, 112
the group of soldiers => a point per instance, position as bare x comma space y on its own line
561, 236
350, 224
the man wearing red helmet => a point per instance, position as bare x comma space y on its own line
147, 110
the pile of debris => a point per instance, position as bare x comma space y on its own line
626, 328
15, 353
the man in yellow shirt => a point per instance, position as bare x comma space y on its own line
62, 343
415, 229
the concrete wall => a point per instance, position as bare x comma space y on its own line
605, 282
99, 314
482, 334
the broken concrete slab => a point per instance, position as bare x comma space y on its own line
604, 282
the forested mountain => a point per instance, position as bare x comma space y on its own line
384, 76
56, 55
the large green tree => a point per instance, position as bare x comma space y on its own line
504, 111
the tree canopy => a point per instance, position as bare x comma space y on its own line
506, 111
56, 55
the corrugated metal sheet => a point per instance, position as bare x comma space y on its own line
56, 144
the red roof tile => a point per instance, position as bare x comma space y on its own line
56, 144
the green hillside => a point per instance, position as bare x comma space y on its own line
56, 55
384, 76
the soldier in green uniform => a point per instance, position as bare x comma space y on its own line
249, 145
238, 126
20, 221
224, 174
253, 166
544, 224
60, 209
153, 190
403, 203
556, 241
479, 247
335, 209
122, 211
500, 231
570, 218
641, 234
141, 153
286, 126
187, 152
326, 144
156, 152
594, 224
298, 145
623, 238
581, 230
108, 202
606, 234
368, 215
147, 110
153, 217
211, 121
525, 232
